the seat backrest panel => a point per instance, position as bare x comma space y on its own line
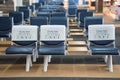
101, 32
53, 33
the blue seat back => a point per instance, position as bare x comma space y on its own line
26, 13
37, 5
18, 17
85, 14
59, 21
31, 7
23, 7
92, 21
80, 11
6, 23
38, 21
71, 2
58, 14
72, 11
44, 14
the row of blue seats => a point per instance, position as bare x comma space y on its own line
46, 2
53, 21
43, 20
100, 46
6, 23
51, 8
53, 14
52, 41
20, 17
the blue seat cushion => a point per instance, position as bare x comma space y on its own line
20, 50
104, 51
52, 49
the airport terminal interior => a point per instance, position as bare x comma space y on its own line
59, 39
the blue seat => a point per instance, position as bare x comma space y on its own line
82, 16
23, 7
60, 21
101, 41
6, 24
18, 17
58, 14
71, 2
44, 14
52, 42
37, 5
24, 42
45, 10
38, 21
72, 11
42, 2
52, 49
31, 7
91, 21
26, 13
80, 11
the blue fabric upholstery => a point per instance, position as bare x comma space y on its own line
80, 11
58, 14
38, 21
72, 11
41, 1
5, 26
26, 14
5, 33
59, 21
23, 7
31, 8
52, 49
71, 2
101, 45
91, 21
83, 15
104, 51
17, 17
44, 14
20, 50
45, 10
37, 5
